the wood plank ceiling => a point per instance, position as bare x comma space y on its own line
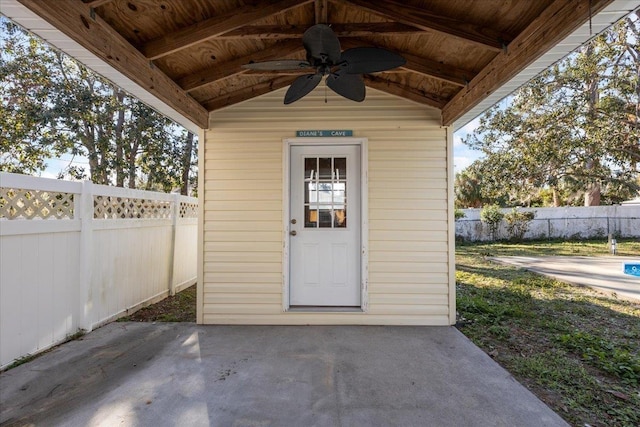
189, 53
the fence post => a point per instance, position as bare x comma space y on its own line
85, 208
175, 212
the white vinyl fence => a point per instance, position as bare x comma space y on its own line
560, 223
75, 255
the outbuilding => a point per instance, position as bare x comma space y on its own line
324, 211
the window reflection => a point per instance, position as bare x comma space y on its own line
325, 192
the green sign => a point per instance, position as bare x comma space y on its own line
323, 133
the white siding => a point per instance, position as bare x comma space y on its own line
409, 260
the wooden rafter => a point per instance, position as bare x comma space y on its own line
322, 11
404, 91
425, 20
556, 22
77, 20
424, 66
217, 72
247, 93
214, 27
262, 32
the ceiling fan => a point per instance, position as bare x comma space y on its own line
343, 70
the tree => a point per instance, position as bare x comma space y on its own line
573, 129
468, 189
54, 105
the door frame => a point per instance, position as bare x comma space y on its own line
364, 211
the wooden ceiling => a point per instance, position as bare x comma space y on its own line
189, 53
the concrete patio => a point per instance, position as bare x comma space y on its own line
180, 374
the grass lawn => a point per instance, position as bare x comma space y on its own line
576, 349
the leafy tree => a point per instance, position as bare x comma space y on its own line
573, 130
467, 189
54, 105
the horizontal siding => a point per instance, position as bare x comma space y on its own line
408, 210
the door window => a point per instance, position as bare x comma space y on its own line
325, 198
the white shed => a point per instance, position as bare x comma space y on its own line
284, 244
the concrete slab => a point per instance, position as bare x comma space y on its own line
141, 374
602, 273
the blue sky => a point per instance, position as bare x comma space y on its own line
463, 156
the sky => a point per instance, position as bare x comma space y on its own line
463, 156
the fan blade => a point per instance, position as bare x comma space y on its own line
322, 43
280, 65
302, 86
351, 86
364, 60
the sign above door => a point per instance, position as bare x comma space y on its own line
323, 133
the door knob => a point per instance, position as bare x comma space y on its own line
293, 232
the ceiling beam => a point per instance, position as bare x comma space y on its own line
341, 30
216, 26
322, 12
247, 93
428, 21
76, 20
555, 23
397, 89
227, 69
423, 66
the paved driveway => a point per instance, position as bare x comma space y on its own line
141, 374
601, 273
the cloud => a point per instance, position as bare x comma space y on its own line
464, 131
461, 162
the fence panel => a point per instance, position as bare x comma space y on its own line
76, 255
561, 223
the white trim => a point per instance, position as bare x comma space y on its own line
364, 210
26, 182
202, 142
451, 225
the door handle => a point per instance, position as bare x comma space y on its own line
293, 232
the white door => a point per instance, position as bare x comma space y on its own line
324, 240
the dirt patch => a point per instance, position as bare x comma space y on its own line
179, 308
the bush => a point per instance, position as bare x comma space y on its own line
458, 214
518, 223
492, 216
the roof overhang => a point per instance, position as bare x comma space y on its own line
37, 25
598, 23
482, 88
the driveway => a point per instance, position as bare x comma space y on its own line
602, 273
180, 374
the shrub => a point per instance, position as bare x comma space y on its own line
458, 214
492, 216
518, 223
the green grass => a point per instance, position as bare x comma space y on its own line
576, 349
625, 247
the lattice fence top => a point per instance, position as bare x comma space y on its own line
188, 210
35, 204
113, 207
